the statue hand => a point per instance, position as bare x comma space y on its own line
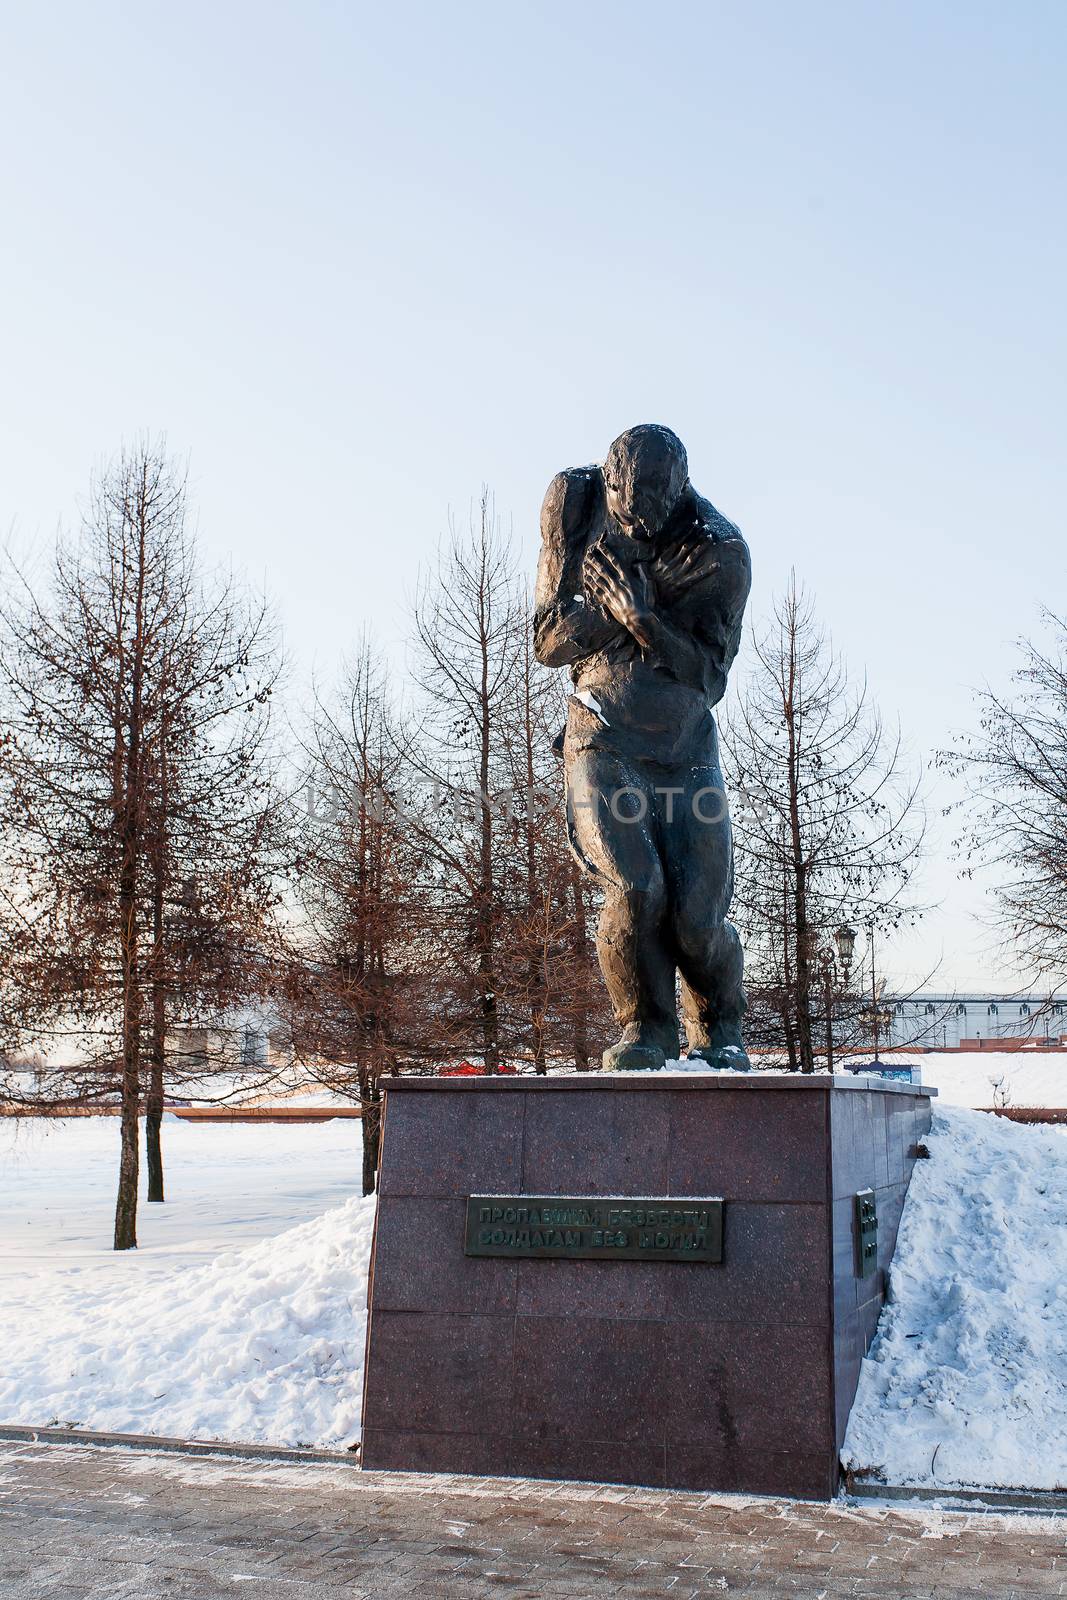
624, 593
693, 561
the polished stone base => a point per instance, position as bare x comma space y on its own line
676, 1374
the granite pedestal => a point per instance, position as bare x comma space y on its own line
680, 1374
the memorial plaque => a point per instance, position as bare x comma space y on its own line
595, 1227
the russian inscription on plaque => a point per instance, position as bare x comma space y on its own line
595, 1228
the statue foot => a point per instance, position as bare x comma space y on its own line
730, 1057
634, 1058
719, 1045
641, 1049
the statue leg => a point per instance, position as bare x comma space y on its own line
611, 814
698, 850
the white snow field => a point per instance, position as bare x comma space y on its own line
241, 1315
966, 1382
994, 1077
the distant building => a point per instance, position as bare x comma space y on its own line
975, 1021
246, 1042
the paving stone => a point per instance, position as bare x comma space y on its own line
108, 1524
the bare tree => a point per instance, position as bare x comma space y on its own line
1015, 769
536, 890
130, 768
828, 827
215, 832
468, 631
356, 997
392, 897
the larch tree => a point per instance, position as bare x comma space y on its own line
1015, 770
359, 966
828, 829
131, 796
468, 644
215, 838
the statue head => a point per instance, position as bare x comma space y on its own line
645, 472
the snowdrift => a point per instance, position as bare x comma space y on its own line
262, 1344
966, 1383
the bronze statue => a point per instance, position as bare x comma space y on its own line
641, 589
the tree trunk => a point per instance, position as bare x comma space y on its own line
535, 968
581, 958
153, 1144
803, 976
153, 1123
486, 897
802, 1007
126, 1202
129, 952
370, 1096
489, 1019
787, 994
154, 1100
537, 1026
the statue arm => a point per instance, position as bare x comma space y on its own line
703, 651
731, 590
568, 624
630, 595
718, 624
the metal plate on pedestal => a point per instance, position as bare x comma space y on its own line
866, 1233
595, 1227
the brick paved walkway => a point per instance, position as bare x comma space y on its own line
105, 1524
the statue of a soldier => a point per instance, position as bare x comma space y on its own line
641, 589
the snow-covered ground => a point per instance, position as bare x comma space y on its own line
979, 1078
241, 1315
966, 1383
994, 1077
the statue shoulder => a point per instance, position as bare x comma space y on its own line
732, 578
569, 502
706, 519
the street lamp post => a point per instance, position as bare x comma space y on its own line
826, 961
845, 940
874, 995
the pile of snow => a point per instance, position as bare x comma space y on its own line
966, 1383
264, 1343
241, 1314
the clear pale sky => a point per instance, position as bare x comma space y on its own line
356, 260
